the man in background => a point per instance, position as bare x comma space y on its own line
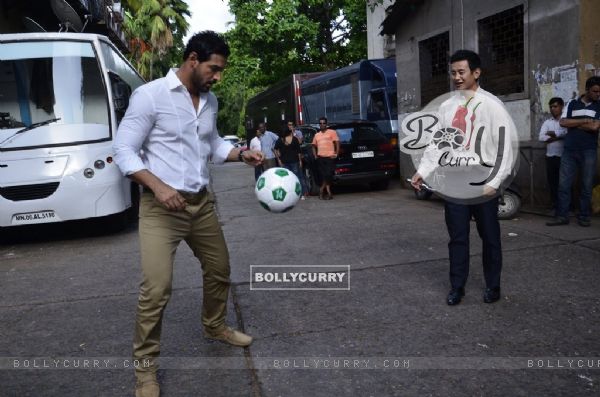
267, 143
552, 134
255, 146
326, 146
582, 118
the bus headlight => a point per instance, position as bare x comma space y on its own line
88, 173
99, 164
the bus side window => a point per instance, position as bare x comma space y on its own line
121, 93
376, 106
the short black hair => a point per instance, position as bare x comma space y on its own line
323, 118
467, 55
206, 43
592, 81
556, 99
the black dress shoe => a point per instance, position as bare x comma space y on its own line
491, 295
584, 222
558, 221
455, 295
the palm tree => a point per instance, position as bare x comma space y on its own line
153, 27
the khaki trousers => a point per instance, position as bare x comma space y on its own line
160, 232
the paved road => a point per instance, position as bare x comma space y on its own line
71, 294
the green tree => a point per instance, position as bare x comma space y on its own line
156, 29
272, 39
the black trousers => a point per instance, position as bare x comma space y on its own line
553, 173
458, 219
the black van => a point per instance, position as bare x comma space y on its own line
366, 156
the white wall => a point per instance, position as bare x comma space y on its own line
376, 44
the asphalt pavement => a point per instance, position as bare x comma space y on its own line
68, 294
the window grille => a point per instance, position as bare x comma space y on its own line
502, 52
433, 59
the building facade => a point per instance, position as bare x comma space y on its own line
88, 16
531, 50
379, 45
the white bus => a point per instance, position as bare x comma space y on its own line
62, 96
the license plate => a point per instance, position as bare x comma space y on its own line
34, 217
360, 155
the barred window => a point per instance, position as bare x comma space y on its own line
433, 60
502, 52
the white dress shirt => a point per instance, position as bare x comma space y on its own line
255, 144
555, 148
484, 110
163, 133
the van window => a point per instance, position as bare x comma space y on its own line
44, 80
117, 65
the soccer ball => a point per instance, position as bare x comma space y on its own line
278, 190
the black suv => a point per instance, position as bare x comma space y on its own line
366, 156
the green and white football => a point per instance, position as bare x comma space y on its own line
278, 189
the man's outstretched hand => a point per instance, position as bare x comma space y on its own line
253, 157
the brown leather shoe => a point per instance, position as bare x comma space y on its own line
231, 336
147, 385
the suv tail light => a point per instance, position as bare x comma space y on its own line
386, 147
342, 170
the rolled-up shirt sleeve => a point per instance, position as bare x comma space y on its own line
133, 131
543, 137
220, 148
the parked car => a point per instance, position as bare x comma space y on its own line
233, 139
366, 156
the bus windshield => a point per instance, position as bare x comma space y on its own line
46, 80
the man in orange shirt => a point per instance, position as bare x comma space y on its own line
326, 146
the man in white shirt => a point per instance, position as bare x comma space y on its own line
267, 143
471, 176
255, 145
297, 133
164, 143
552, 133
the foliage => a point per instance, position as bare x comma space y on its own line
269, 40
155, 29
272, 39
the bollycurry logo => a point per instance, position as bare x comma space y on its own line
464, 144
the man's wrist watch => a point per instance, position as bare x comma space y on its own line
240, 158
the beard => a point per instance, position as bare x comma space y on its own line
204, 85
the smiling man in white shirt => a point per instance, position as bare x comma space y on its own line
470, 176
164, 143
